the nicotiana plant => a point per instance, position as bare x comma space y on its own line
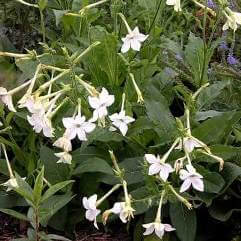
99, 102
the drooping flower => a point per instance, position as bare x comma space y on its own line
158, 166
6, 98
191, 178
100, 104
77, 126
33, 105
121, 121
91, 210
124, 210
233, 20
157, 227
64, 157
176, 4
11, 183
41, 122
133, 40
64, 143
189, 143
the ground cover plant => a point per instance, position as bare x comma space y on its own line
118, 111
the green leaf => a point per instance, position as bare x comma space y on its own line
230, 173
14, 214
54, 172
38, 187
213, 182
159, 113
53, 205
184, 221
55, 188
209, 94
216, 129
93, 165
59, 15
24, 189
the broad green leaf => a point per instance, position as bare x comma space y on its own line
230, 173
184, 221
11, 200
93, 165
14, 214
216, 129
209, 94
158, 112
53, 205
213, 182
38, 186
55, 188
54, 172
42, 4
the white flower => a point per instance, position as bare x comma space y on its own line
175, 3
100, 104
124, 210
11, 183
133, 40
158, 227
41, 122
77, 126
191, 178
120, 120
6, 98
64, 143
157, 166
233, 20
33, 105
64, 157
1, 124
189, 143
90, 205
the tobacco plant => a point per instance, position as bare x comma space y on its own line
138, 101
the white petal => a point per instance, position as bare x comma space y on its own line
68, 122
151, 158
186, 185
117, 207
88, 127
197, 184
81, 134
94, 102
135, 45
85, 203
123, 128
92, 201
154, 169
169, 228
123, 217
126, 46
149, 228
159, 230
184, 174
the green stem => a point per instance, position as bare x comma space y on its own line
42, 25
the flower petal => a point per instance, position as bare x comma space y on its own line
186, 185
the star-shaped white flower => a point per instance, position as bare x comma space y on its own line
124, 211
91, 211
133, 40
100, 104
233, 20
157, 166
121, 121
64, 157
33, 105
158, 227
77, 126
176, 4
6, 98
41, 122
191, 178
64, 143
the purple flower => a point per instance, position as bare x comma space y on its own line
211, 4
232, 60
223, 45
